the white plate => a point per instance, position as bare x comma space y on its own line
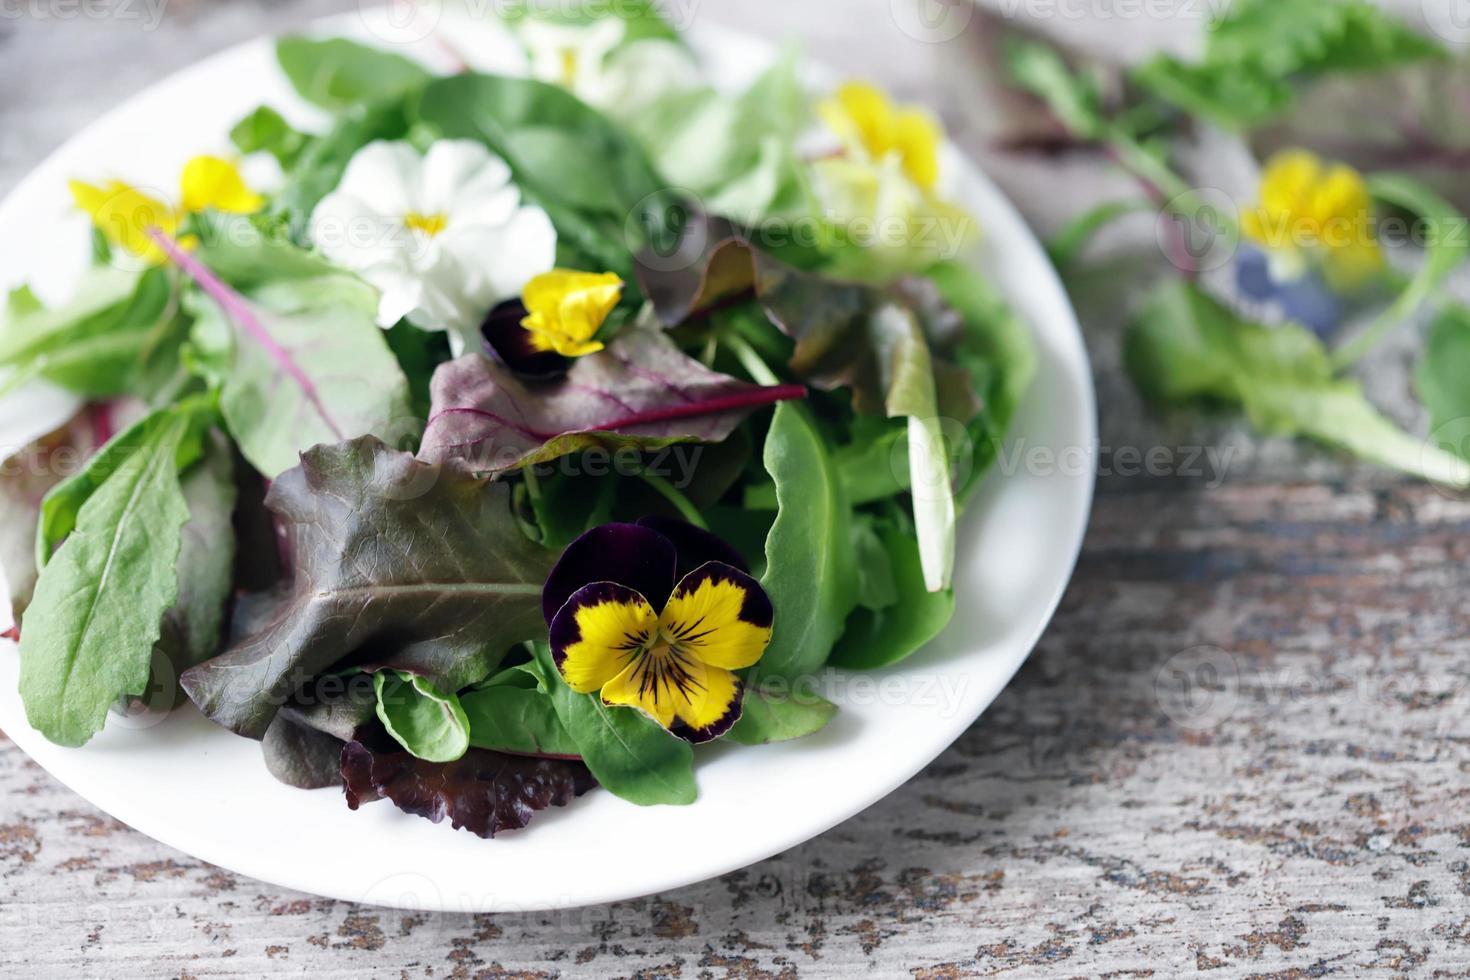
206, 792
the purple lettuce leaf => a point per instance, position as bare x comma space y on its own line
396, 563
484, 792
846, 333
640, 392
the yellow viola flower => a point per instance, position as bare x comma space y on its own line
1311, 213
126, 214
868, 122
566, 308
658, 616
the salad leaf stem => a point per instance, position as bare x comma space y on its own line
672, 494
758, 370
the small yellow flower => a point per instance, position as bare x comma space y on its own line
126, 214
566, 308
1311, 212
867, 120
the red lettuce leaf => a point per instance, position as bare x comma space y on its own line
484, 792
641, 392
397, 563
848, 334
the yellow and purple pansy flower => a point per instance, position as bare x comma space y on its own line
1311, 241
658, 616
555, 320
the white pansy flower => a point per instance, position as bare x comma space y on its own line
443, 236
591, 62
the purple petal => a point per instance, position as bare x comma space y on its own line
694, 545
510, 343
636, 557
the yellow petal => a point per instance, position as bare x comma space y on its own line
215, 183
602, 628
667, 685
867, 114
1288, 181
719, 615
565, 309
918, 136
125, 215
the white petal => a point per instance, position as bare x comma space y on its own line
400, 293
498, 262
452, 165
356, 234
31, 411
386, 174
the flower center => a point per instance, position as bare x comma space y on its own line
568, 67
429, 224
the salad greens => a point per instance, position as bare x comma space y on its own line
1276, 300
512, 444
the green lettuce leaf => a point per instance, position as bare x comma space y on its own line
1443, 380
505, 718
266, 131
1258, 52
430, 724
1186, 347
769, 716
339, 75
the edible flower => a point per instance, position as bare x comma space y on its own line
872, 127
565, 309
125, 214
599, 65
443, 236
658, 616
884, 183
1313, 238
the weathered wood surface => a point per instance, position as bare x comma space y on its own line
1240, 749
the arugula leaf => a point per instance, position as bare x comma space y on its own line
631, 756
1445, 252
430, 724
1258, 51
100, 602
512, 719
641, 392
1185, 346
1073, 98
483, 792
397, 564
266, 131
114, 335
309, 365
338, 74
878, 637
811, 573
768, 716
1442, 375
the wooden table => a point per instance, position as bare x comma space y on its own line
1242, 745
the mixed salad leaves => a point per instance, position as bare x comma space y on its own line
523, 433
1355, 136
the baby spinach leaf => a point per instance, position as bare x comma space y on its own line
1185, 346
811, 573
768, 716
1258, 51
483, 792
430, 724
99, 603
512, 719
309, 364
1444, 368
266, 131
338, 74
878, 637
640, 392
631, 756
397, 564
